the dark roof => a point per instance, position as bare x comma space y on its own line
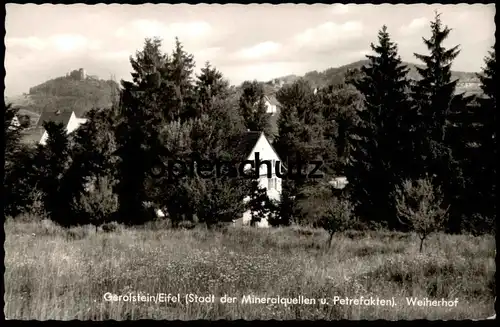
243, 146
273, 123
32, 136
55, 116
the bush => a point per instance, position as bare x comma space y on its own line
97, 206
110, 227
478, 224
186, 224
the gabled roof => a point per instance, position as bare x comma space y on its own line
271, 99
56, 117
32, 136
244, 145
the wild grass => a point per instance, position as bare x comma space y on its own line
53, 273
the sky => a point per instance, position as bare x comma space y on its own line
244, 42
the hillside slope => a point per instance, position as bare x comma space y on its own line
67, 93
468, 81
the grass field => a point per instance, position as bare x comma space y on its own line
60, 274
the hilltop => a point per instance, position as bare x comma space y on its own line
76, 91
468, 81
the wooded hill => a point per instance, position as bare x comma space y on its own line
468, 81
67, 93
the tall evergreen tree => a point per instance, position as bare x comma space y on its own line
378, 156
435, 103
253, 108
300, 126
142, 111
300, 140
181, 86
480, 152
340, 105
53, 161
210, 85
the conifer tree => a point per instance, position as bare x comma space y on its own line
53, 160
210, 85
181, 84
378, 156
300, 125
435, 105
252, 107
300, 140
142, 111
480, 153
340, 105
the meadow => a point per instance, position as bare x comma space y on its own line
54, 273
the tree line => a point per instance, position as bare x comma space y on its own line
405, 146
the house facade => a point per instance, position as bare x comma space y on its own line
257, 142
271, 104
14, 123
68, 119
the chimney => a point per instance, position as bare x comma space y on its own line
58, 112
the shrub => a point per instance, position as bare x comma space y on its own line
96, 206
110, 227
478, 224
186, 224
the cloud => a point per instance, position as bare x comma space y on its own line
114, 55
208, 53
32, 43
414, 26
259, 50
142, 28
71, 42
329, 33
64, 43
339, 9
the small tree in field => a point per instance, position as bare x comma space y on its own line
419, 206
337, 217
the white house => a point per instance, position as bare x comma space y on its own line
14, 123
250, 144
68, 119
271, 104
339, 182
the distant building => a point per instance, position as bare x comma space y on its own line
81, 74
271, 104
339, 182
68, 119
14, 124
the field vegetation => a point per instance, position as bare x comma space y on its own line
57, 273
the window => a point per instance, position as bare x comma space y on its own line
271, 183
